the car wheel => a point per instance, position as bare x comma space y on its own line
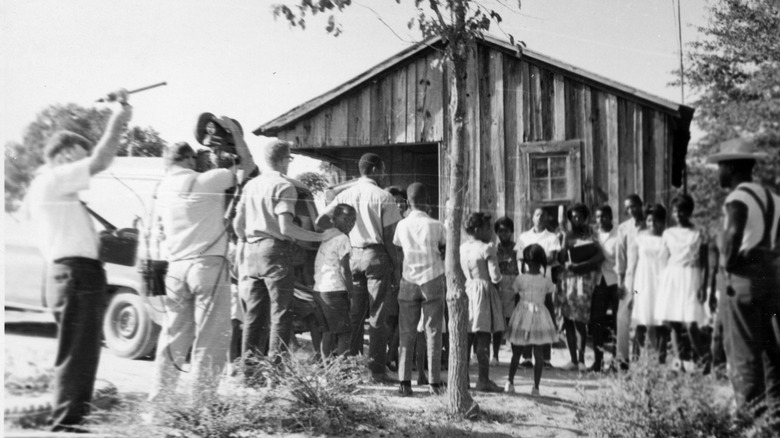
128, 328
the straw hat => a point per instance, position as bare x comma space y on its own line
736, 149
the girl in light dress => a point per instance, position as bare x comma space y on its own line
531, 322
646, 262
683, 290
480, 266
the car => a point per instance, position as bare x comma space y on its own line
123, 197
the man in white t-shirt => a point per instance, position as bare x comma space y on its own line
76, 280
540, 235
751, 256
191, 207
333, 281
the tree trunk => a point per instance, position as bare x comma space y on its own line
459, 400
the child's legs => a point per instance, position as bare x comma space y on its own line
482, 347
409, 305
582, 338
658, 336
571, 338
538, 364
527, 352
517, 351
497, 337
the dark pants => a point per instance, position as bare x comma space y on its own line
604, 298
752, 342
371, 277
267, 286
76, 293
652, 338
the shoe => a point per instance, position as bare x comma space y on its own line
581, 367
509, 388
548, 365
571, 366
438, 388
405, 389
527, 364
494, 362
535, 392
383, 379
487, 386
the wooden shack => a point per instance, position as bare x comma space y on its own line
542, 133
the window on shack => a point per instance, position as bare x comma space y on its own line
548, 177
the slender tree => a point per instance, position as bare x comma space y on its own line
459, 23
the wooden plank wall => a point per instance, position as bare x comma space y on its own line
511, 101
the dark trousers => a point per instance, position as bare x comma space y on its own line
371, 277
267, 282
652, 338
753, 347
604, 298
76, 293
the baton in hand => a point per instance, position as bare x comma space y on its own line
112, 96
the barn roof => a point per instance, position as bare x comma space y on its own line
292, 116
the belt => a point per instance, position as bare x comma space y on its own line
373, 245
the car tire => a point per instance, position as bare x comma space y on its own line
128, 328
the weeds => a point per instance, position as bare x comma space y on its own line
653, 400
27, 378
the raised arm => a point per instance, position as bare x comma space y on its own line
106, 149
247, 164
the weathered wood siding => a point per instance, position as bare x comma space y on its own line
511, 101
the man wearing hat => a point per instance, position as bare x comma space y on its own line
191, 208
374, 260
751, 259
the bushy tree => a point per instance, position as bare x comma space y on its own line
735, 71
459, 23
316, 182
22, 159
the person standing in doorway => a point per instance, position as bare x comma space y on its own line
76, 280
374, 260
752, 265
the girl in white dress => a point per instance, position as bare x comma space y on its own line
646, 261
683, 290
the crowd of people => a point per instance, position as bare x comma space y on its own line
379, 259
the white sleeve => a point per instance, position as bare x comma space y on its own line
70, 177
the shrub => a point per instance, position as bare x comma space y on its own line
653, 400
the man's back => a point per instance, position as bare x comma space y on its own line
191, 206
420, 237
376, 209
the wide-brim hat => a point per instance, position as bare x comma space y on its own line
736, 149
203, 121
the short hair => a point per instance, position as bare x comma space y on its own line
178, 152
683, 202
657, 211
635, 198
535, 253
744, 166
605, 209
369, 161
63, 140
275, 151
581, 209
344, 210
504, 222
396, 191
417, 193
476, 221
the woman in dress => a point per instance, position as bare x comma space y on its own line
581, 257
683, 288
646, 261
480, 266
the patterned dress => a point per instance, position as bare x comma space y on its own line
507, 264
578, 287
531, 322
479, 264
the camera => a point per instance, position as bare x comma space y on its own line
211, 131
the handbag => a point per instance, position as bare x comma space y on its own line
118, 246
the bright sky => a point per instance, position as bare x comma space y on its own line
231, 57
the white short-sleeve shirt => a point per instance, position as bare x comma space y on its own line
65, 229
327, 265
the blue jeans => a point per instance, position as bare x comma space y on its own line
428, 297
371, 277
76, 293
266, 284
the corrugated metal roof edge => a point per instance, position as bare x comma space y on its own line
293, 115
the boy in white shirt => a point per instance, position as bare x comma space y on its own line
333, 280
